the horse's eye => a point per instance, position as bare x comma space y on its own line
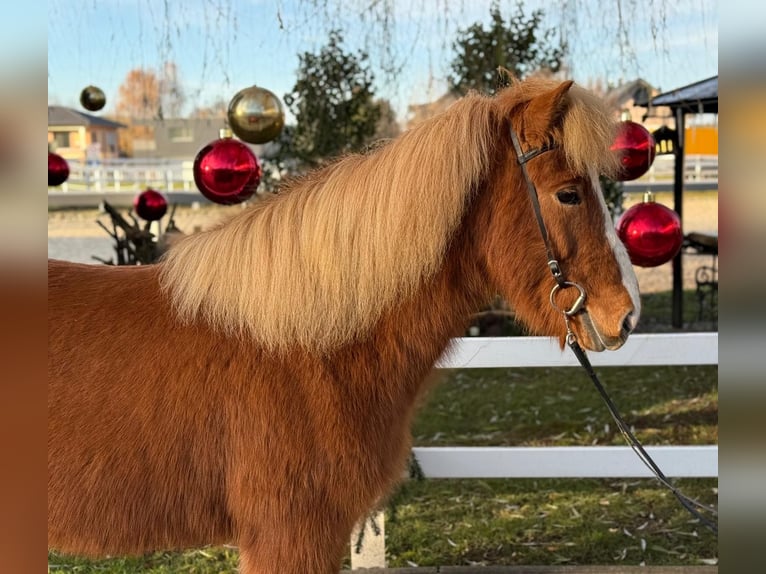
568, 197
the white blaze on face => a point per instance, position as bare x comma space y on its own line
629, 279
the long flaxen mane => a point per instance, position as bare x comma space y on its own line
317, 264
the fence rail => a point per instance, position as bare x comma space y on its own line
119, 175
557, 462
697, 168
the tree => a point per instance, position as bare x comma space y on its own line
145, 94
333, 104
172, 96
387, 126
614, 194
138, 97
518, 45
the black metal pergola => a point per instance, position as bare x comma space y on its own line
697, 98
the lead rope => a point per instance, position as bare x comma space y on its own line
690, 504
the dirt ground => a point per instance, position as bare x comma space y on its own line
700, 214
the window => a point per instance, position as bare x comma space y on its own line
180, 134
61, 139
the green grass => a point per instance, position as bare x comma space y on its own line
201, 561
656, 314
547, 406
540, 522
546, 522
573, 521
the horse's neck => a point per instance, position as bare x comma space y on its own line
415, 333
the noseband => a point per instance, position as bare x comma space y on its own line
693, 506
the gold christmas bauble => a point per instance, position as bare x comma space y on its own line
256, 115
92, 98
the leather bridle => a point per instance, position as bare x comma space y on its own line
693, 506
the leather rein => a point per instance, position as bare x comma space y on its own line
693, 506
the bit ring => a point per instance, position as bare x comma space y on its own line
576, 306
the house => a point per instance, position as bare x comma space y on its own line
80, 136
177, 138
173, 138
626, 100
419, 112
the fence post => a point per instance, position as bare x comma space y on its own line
373, 551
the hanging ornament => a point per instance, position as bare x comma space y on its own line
651, 232
58, 169
226, 171
636, 148
92, 98
150, 205
255, 115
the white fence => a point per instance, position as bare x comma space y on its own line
118, 175
697, 168
558, 462
176, 175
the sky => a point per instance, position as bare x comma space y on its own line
222, 46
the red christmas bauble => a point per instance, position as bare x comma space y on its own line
150, 205
226, 171
651, 233
58, 169
637, 149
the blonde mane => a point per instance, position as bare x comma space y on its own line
317, 264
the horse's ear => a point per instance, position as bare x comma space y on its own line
506, 77
548, 108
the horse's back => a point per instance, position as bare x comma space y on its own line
125, 417
97, 294
92, 310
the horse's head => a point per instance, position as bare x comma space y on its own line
572, 131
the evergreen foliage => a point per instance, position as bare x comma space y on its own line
519, 45
334, 105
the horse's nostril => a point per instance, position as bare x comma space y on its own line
628, 324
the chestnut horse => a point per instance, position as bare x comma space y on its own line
257, 385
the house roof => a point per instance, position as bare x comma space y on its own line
699, 97
61, 116
636, 90
419, 112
